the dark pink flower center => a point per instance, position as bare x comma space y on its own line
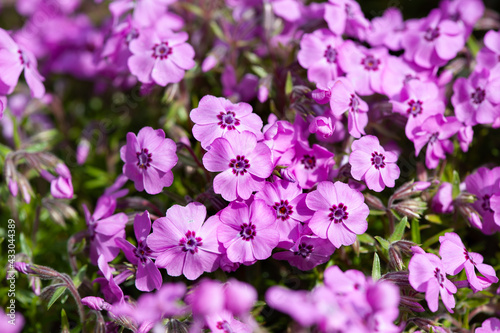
24, 58
354, 103
228, 120
304, 250
309, 161
283, 210
433, 138
161, 50
338, 213
439, 277
370, 62
378, 160
431, 34
239, 165
486, 203
190, 243
142, 252
330, 54
478, 96
467, 257
144, 159
224, 326
415, 108
247, 231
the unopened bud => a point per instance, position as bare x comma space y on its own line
175, 326
404, 246
411, 303
398, 278
374, 202
395, 259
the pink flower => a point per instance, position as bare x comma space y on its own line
489, 56
491, 325
346, 16
442, 202
149, 159
387, 30
61, 187
245, 164
13, 60
456, 257
239, 297
184, 244
160, 56
427, 274
343, 98
340, 213
398, 73
214, 117
248, 233
148, 276
319, 55
371, 163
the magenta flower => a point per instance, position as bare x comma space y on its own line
223, 321
248, 232
245, 164
387, 30
489, 56
466, 12
346, 16
456, 257
371, 163
109, 286
442, 202
61, 186
398, 73
239, 297
434, 42
7, 327
340, 213
299, 304
319, 55
148, 276
149, 159
307, 252
288, 201
427, 274
343, 98
435, 132
491, 325
184, 244
13, 60
214, 117
160, 56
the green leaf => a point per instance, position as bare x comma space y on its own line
25, 248
261, 72
289, 84
58, 293
473, 45
376, 267
217, 30
433, 218
366, 238
399, 230
385, 244
77, 280
64, 322
377, 212
456, 184
4, 150
415, 231
435, 238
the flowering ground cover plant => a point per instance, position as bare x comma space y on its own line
249, 166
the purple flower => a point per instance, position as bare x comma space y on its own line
397, 73
340, 213
345, 16
371, 163
288, 201
299, 304
11, 322
435, 132
343, 98
434, 42
427, 274
13, 60
244, 91
222, 322
184, 244
160, 56
109, 286
491, 325
214, 117
61, 187
245, 164
248, 232
149, 159
489, 56
387, 30
319, 55
239, 297
442, 202
148, 276
311, 165
456, 257
466, 12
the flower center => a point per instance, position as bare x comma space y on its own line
24, 58
190, 243
478, 96
309, 161
433, 138
371, 63
486, 203
338, 213
415, 108
224, 327
304, 250
431, 34
144, 159
439, 277
247, 231
467, 257
228, 119
378, 160
239, 165
161, 50
354, 103
142, 252
283, 210
330, 54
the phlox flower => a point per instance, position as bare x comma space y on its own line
489, 56
248, 232
427, 274
397, 73
244, 162
222, 322
340, 213
371, 163
149, 158
61, 187
387, 29
184, 245
109, 286
491, 325
216, 116
442, 202
148, 276
160, 56
346, 16
456, 257
299, 304
466, 12
278, 136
